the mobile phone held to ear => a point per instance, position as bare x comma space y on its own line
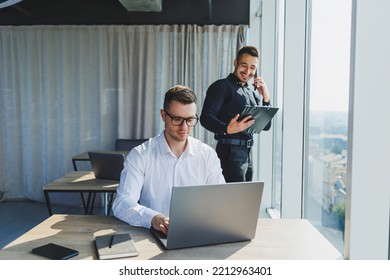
55, 252
254, 77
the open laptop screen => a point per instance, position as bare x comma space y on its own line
212, 214
107, 165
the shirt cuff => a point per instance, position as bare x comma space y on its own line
267, 103
148, 216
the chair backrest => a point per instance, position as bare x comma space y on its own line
128, 144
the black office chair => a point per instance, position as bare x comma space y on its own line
128, 144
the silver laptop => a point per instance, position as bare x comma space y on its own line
107, 165
212, 214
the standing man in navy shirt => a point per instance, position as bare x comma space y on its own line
225, 100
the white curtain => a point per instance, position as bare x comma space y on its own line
70, 89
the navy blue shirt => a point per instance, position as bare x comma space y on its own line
226, 98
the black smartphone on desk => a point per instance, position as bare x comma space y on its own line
55, 251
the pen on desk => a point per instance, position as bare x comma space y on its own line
111, 241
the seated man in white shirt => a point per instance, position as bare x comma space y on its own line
172, 158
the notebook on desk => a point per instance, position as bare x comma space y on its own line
106, 165
212, 214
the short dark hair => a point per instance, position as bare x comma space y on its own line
182, 94
252, 51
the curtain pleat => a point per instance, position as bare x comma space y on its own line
69, 89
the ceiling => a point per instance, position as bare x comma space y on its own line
109, 12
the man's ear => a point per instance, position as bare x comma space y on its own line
235, 63
162, 113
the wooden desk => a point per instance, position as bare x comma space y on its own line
82, 182
276, 239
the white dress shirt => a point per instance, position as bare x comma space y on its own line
151, 170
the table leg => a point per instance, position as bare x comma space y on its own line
83, 201
74, 165
92, 203
46, 193
86, 208
110, 203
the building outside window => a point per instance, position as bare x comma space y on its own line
326, 143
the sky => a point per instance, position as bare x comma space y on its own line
330, 55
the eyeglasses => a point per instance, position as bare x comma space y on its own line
177, 121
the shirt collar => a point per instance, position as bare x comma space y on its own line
235, 80
164, 147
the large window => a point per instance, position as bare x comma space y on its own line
330, 62
278, 120
327, 78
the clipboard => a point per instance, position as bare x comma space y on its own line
262, 115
